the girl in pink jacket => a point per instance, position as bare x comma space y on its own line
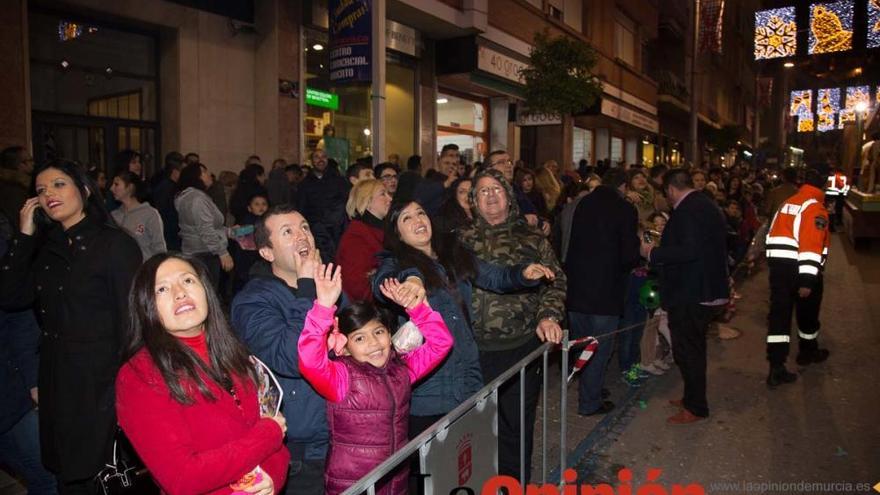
368, 385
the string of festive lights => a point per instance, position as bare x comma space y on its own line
806, 122
801, 101
827, 107
775, 33
831, 26
873, 31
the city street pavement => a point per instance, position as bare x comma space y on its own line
821, 429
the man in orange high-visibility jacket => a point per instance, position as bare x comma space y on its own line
797, 245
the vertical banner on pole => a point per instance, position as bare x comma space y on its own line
711, 26
466, 453
350, 40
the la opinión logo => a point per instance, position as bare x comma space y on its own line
512, 486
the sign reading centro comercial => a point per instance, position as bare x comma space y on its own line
350, 42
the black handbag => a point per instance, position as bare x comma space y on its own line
125, 474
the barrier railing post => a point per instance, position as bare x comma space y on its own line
544, 422
522, 426
563, 401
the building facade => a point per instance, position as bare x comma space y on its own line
227, 80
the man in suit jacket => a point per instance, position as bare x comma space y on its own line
692, 257
603, 248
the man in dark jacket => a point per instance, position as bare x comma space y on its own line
164, 190
692, 257
16, 167
430, 191
603, 248
321, 200
19, 428
269, 314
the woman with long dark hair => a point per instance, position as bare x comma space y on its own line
202, 224
72, 262
186, 396
455, 211
441, 268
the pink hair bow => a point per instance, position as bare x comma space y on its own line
336, 340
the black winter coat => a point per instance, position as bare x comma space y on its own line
79, 281
604, 247
692, 255
322, 203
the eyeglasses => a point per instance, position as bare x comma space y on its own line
502, 162
489, 191
388, 177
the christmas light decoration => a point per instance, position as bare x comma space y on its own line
846, 117
805, 122
69, 30
873, 31
801, 102
831, 27
827, 107
775, 33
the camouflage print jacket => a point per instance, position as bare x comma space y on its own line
507, 321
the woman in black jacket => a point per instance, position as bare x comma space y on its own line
76, 269
251, 182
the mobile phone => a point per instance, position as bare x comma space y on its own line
40, 216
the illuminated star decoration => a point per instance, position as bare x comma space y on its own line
775, 33
801, 101
831, 26
873, 24
827, 107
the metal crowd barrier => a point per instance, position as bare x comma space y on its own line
367, 484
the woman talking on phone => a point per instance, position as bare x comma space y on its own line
75, 267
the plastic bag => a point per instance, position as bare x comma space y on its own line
407, 338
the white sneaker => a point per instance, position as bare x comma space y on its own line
726, 332
653, 369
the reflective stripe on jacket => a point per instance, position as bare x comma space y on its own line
799, 232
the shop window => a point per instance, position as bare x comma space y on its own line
582, 145
463, 122
337, 118
647, 154
400, 131
125, 106
625, 40
616, 150
100, 64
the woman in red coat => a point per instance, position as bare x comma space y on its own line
187, 398
368, 203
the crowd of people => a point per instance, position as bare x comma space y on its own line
136, 301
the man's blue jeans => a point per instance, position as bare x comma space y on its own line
629, 351
593, 375
20, 450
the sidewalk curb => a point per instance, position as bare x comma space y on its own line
610, 425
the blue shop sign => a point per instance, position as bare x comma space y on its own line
350, 40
